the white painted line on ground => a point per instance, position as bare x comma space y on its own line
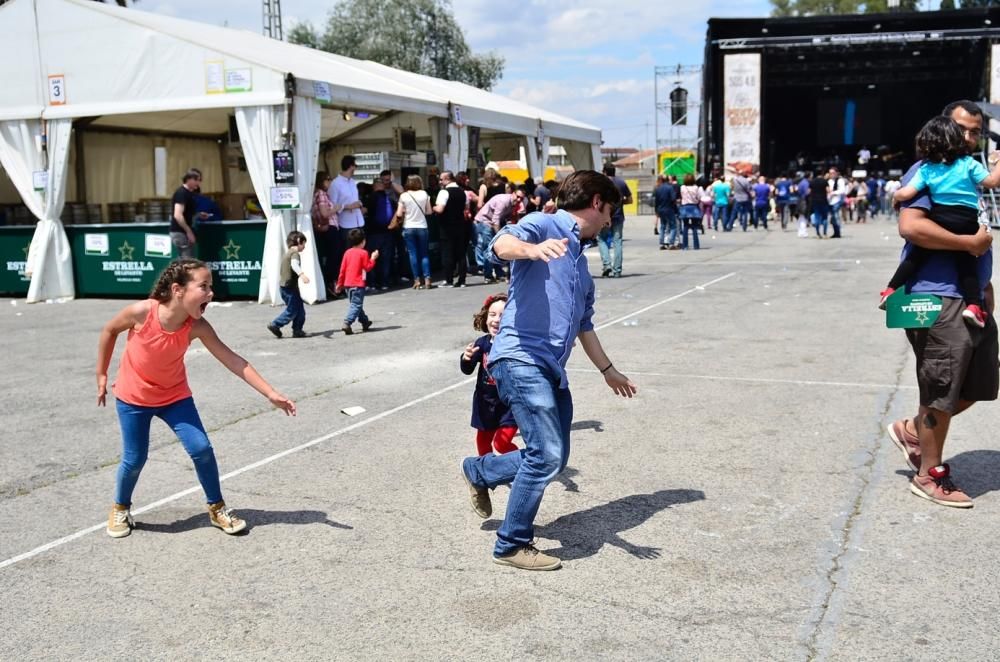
768, 263
696, 288
318, 440
757, 380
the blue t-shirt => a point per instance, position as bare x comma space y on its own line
939, 272
955, 183
782, 189
721, 191
761, 193
802, 189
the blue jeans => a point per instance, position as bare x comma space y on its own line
417, 248
835, 218
741, 212
182, 417
294, 312
820, 214
615, 234
544, 413
356, 310
692, 225
668, 227
484, 235
760, 216
720, 213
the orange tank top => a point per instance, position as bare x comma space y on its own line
152, 373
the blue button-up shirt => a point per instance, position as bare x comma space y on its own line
550, 302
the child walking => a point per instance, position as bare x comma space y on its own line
152, 381
951, 176
353, 269
291, 273
491, 417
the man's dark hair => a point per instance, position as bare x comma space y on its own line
192, 173
384, 173
356, 237
449, 174
970, 107
347, 162
579, 189
941, 140
609, 170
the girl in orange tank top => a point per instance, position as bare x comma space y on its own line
152, 381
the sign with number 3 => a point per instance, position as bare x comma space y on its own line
57, 90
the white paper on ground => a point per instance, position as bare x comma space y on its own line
352, 411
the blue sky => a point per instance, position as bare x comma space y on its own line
591, 60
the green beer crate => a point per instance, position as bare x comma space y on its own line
14, 243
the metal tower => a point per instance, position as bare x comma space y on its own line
272, 19
677, 96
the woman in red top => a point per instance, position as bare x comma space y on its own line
152, 381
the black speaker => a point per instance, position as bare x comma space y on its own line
678, 106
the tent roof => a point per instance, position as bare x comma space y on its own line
124, 62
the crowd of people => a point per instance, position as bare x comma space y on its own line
824, 200
396, 219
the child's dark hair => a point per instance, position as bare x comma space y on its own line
295, 238
479, 319
179, 272
355, 237
941, 140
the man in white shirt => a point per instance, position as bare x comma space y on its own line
864, 156
838, 198
344, 195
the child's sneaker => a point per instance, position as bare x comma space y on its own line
347, 329
224, 518
299, 334
275, 330
974, 315
885, 294
366, 325
120, 522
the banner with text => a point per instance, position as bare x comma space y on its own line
741, 110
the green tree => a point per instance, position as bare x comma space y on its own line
418, 35
832, 7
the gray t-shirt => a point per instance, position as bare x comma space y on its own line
741, 188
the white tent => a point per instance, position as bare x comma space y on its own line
81, 63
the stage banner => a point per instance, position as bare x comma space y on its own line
994, 89
741, 117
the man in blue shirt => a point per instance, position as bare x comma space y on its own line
550, 305
957, 364
665, 201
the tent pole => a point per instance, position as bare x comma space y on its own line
81, 171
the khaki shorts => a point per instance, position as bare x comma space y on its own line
955, 361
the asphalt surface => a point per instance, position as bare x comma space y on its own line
746, 504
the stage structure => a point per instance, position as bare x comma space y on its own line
677, 97
787, 94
